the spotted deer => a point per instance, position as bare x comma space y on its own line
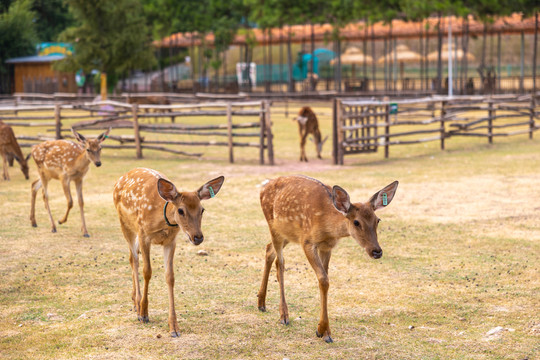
142, 198
10, 149
303, 210
308, 124
65, 161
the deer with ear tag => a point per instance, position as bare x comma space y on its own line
152, 211
65, 161
303, 210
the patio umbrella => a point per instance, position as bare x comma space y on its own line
403, 55
353, 56
457, 55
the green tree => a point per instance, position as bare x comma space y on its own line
17, 36
52, 17
110, 36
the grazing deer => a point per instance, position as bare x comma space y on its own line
303, 210
141, 197
308, 124
10, 149
65, 161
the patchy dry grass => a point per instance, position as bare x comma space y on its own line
461, 244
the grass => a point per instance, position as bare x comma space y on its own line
461, 244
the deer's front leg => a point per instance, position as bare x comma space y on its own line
323, 330
67, 193
35, 187
147, 275
269, 260
5, 167
168, 256
78, 184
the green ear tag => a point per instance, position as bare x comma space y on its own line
211, 192
384, 199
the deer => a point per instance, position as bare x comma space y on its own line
308, 124
66, 161
303, 210
10, 149
141, 198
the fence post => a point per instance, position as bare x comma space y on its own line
138, 147
532, 124
262, 135
270, 136
490, 121
334, 130
339, 131
443, 130
57, 121
229, 132
387, 131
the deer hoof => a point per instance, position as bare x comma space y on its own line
53, 230
143, 319
175, 334
86, 235
262, 308
34, 225
326, 338
284, 321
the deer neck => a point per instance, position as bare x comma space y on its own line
81, 162
338, 223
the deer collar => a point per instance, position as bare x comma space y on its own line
165, 215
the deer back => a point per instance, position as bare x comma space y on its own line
57, 157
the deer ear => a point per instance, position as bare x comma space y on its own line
341, 200
78, 136
211, 188
103, 136
383, 197
166, 190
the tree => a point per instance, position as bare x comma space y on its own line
17, 36
52, 17
110, 36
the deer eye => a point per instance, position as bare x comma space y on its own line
181, 212
356, 223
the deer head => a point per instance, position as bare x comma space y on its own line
361, 219
24, 165
92, 146
187, 206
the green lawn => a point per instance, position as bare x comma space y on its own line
461, 244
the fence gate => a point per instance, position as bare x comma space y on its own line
356, 128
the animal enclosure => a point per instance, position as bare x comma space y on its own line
363, 126
224, 130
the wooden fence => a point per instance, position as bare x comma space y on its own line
119, 115
364, 126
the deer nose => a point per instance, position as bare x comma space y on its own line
197, 239
376, 254
98, 163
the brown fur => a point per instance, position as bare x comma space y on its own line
303, 210
308, 124
65, 161
10, 149
139, 197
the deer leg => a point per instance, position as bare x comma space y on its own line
78, 185
36, 185
280, 265
269, 259
323, 330
147, 274
46, 201
168, 256
133, 243
5, 166
67, 193
303, 137
10, 158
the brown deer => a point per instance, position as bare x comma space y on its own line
308, 124
141, 197
305, 211
10, 149
65, 161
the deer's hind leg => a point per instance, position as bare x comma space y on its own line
67, 192
133, 243
269, 259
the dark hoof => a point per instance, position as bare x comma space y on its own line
262, 308
34, 225
328, 339
317, 333
175, 334
53, 230
143, 319
284, 322
86, 235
